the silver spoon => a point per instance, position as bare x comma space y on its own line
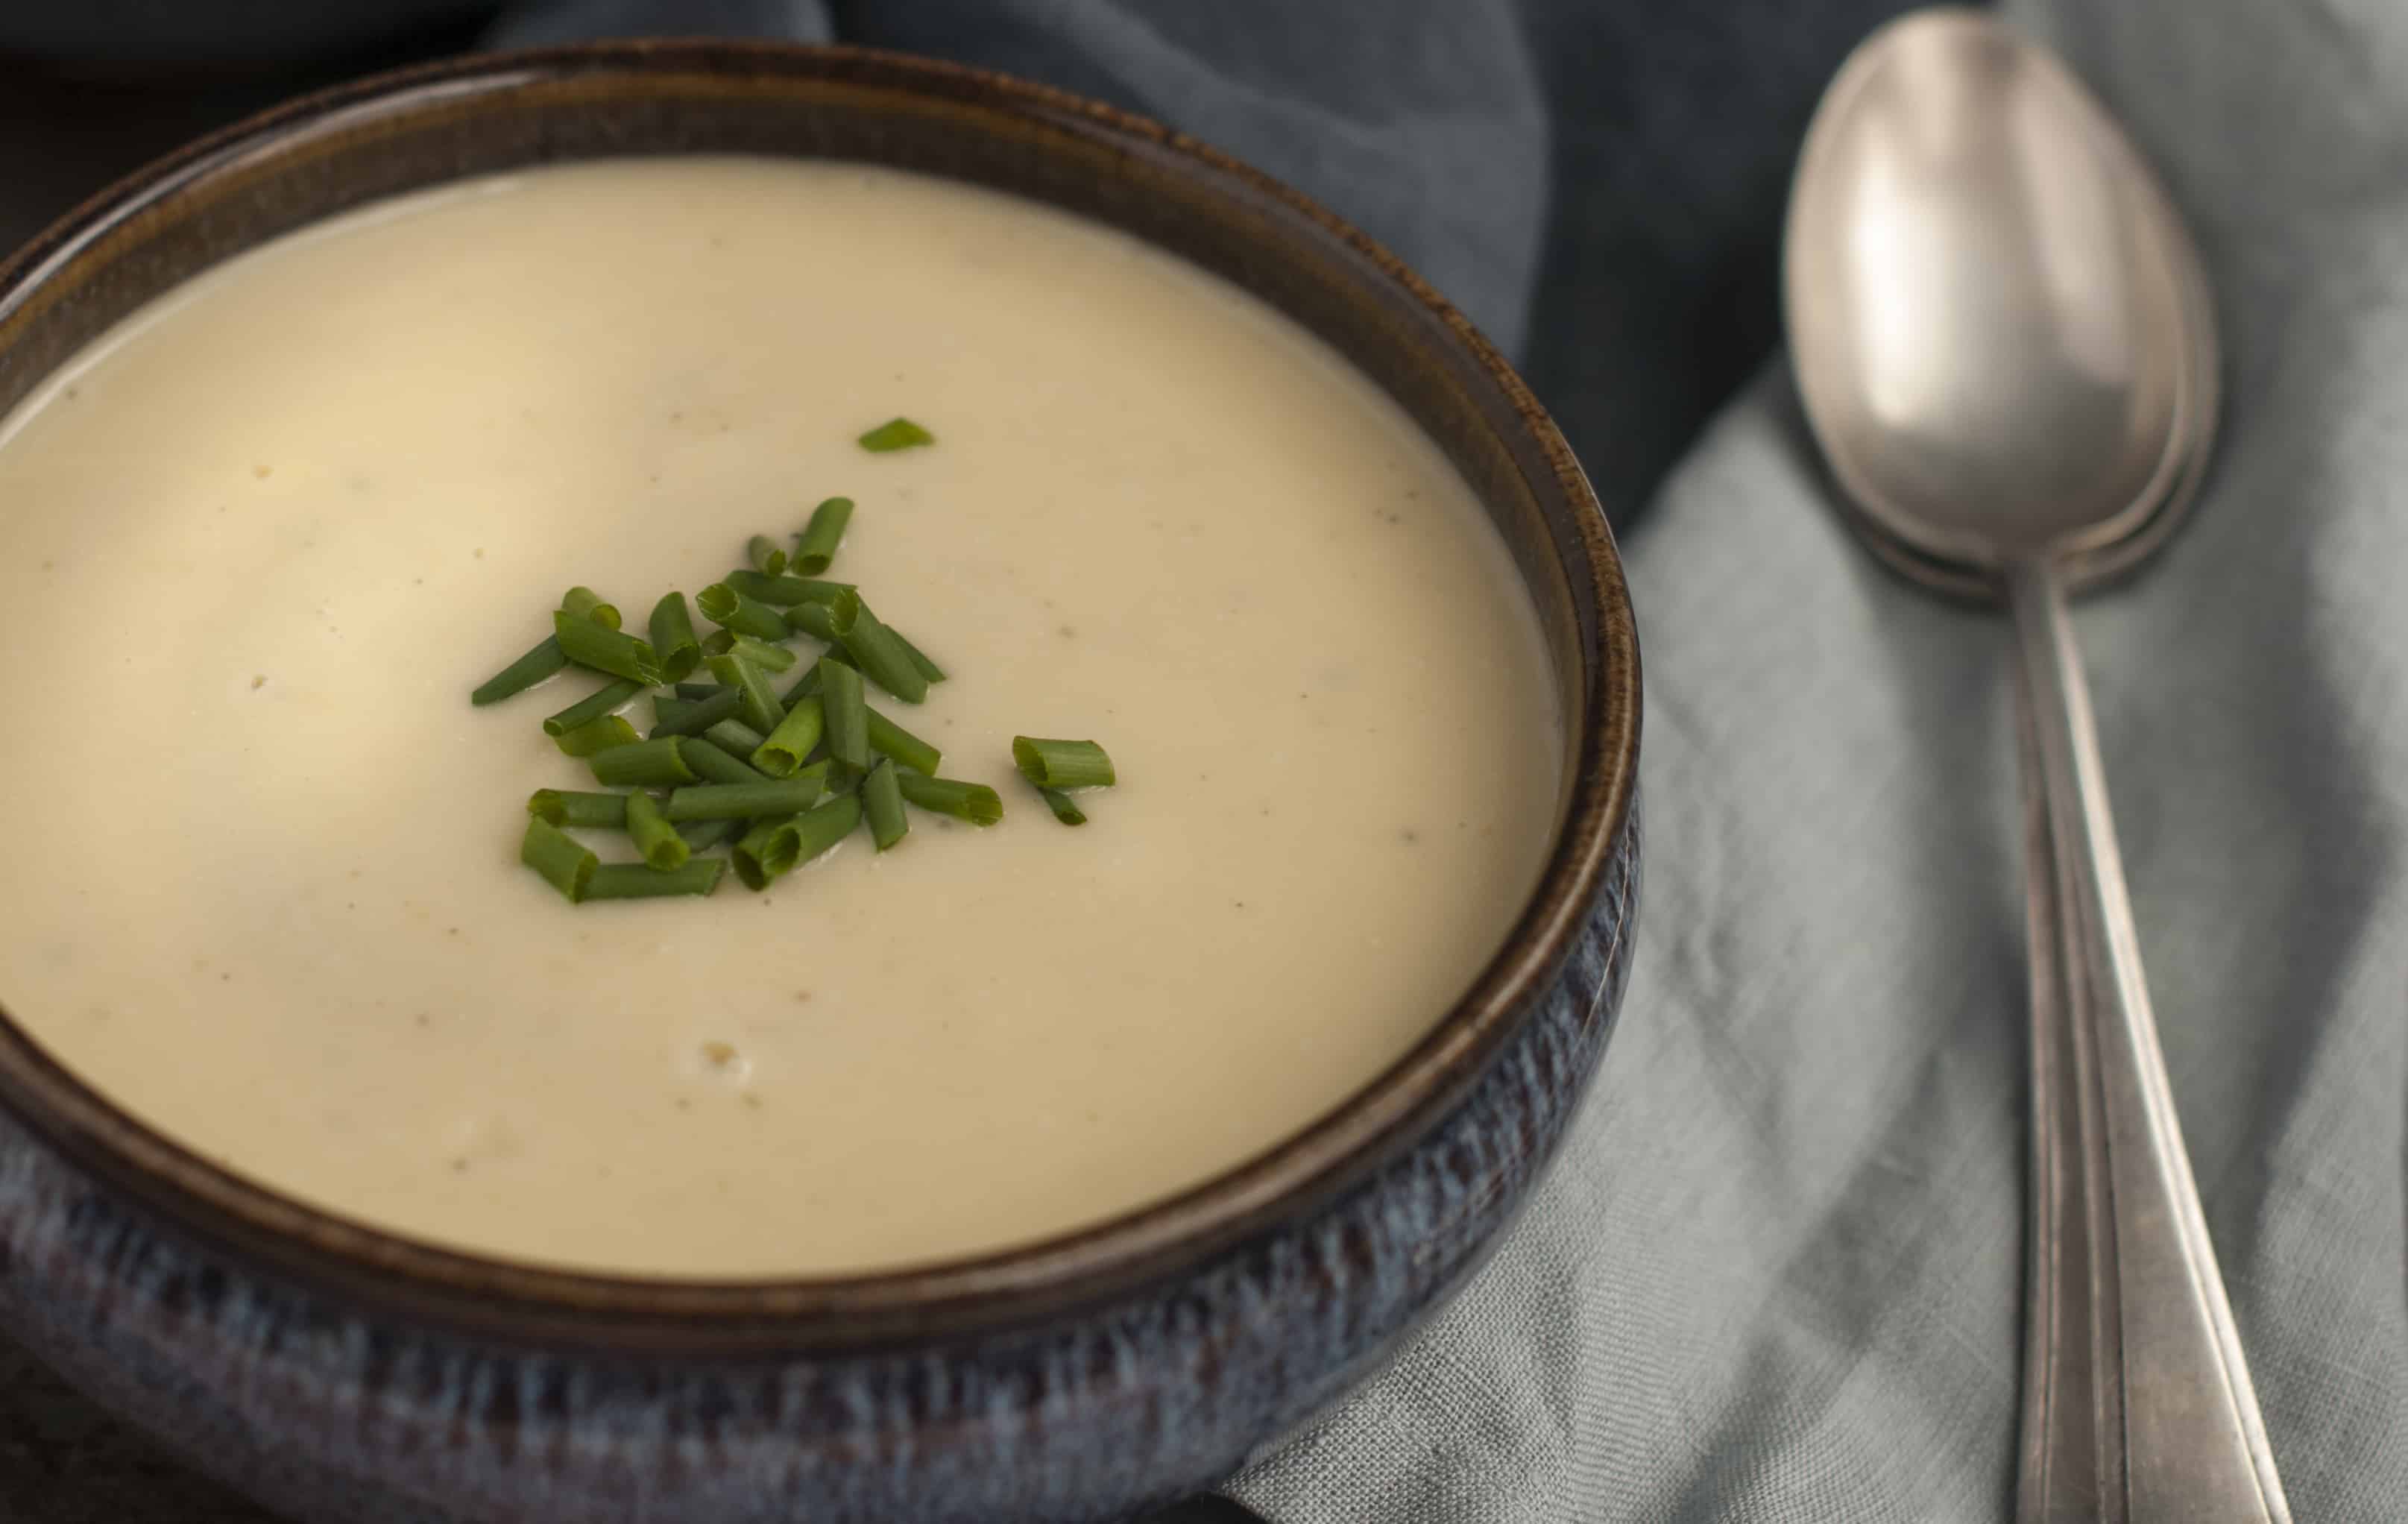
2002, 339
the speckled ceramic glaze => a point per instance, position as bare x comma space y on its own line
346, 1376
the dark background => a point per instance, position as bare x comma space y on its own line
1672, 129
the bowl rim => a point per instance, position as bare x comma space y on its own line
525, 1303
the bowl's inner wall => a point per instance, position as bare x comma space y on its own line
260, 186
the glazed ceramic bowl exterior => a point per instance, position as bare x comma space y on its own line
341, 1374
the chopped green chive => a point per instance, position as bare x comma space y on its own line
747, 801
766, 853
810, 682
815, 547
585, 603
699, 690
787, 746
734, 738
824, 827
646, 764
846, 717
1065, 808
1062, 764
702, 835
823, 621
760, 707
880, 658
896, 434
565, 863
761, 654
698, 715
882, 799
662, 848
601, 701
673, 640
668, 711
567, 807
543, 659
590, 644
974, 802
927, 669
722, 605
772, 848
785, 590
892, 739
765, 555
595, 737
716, 764
634, 881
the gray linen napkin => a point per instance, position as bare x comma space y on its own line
1776, 1276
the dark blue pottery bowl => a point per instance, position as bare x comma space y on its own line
342, 1374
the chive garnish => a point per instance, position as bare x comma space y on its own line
697, 715
542, 660
716, 764
610, 651
747, 801
825, 621
673, 640
785, 590
585, 603
846, 716
815, 547
565, 863
662, 848
761, 654
722, 605
882, 799
765, 555
568, 807
766, 852
732, 755
603, 700
702, 835
822, 828
668, 711
646, 764
1065, 808
595, 737
892, 739
634, 881
1062, 764
896, 434
772, 848
974, 802
734, 738
874, 649
760, 707
927, 669
787, 746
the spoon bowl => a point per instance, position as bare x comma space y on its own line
1999, 327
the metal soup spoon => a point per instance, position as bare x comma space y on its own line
2002, 340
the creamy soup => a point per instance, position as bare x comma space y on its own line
257, 545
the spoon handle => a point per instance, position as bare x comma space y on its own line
2138, 1407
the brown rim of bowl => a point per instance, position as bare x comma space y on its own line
526, 1305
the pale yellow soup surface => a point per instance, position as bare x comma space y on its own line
262, 882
